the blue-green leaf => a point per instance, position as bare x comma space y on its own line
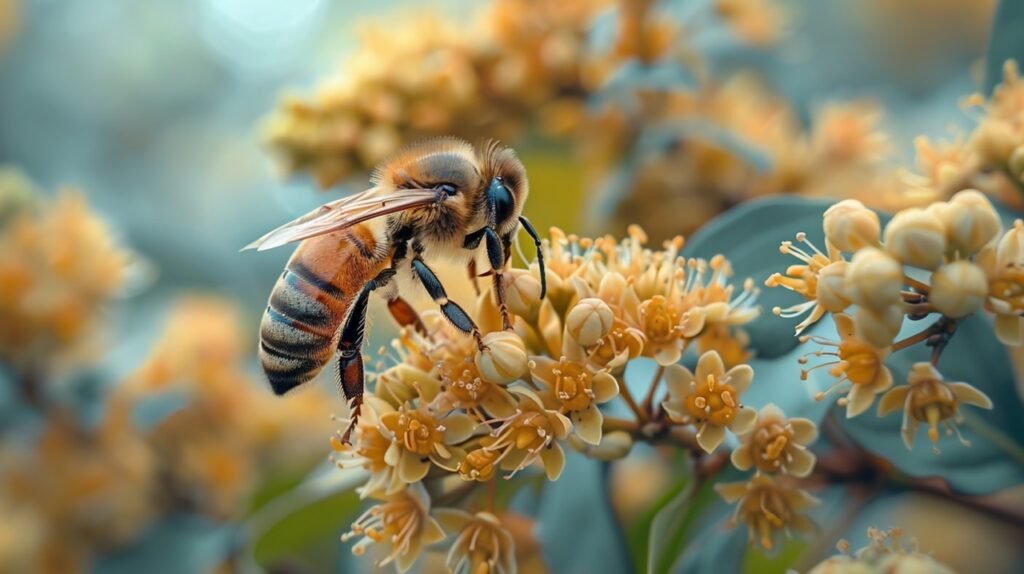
175, 545
749, 236
1006, 41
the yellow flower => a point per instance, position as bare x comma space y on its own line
1004, 266
856, 362
368, 451
958, 289
768, 506
420, 437
482, 544
915, 237
927, 398
479, 464
803, 279
403, 522
850, 226
531, 434
710, 399
777, 444
885, 552
575, 389
622, 344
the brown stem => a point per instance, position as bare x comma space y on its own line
648, 404
914, 339
617, 424
627, 396
919, 286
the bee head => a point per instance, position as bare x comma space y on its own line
506, 188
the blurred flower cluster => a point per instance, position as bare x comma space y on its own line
189, 432
990, 157
885, 552
445, 421
936, 266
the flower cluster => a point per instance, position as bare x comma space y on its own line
446, 418
885, 552
414, 78
59, 267
990, 157
941, 264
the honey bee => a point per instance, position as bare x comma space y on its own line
441, 198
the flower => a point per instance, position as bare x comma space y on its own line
857, 362
777, 444
531, 434
482, 544
927, 398
575, 389
419, 437
803, 279
710, 399
479, 465
768, 506
1004, 267
368, 451
885, 552
403, 522
958, 289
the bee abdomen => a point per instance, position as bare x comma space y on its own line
298, 327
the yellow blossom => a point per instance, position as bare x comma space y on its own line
927, 398
768, 506
420, 437
1004, 267
803, 279
482, 544
777, 444
856, 362
575, 389
402, 522
531, 434
850, 226
709, 398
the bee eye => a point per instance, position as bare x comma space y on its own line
446, 188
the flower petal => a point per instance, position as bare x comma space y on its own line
893, 400
669, 353
801, 463
710, 364
740, 378
554, 461
458, 427
731, 491
605, 387
858, 400
969, 395
588, 424
804, 430
452, 520
746, 418
432, 531
742, 459
710, 436
412, 467
678, 380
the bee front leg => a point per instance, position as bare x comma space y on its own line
497, 255
351, 374
450, 309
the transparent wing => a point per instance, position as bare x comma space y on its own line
343, 213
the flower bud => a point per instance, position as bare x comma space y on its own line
958, 289
522, 294
970, 221
878, 328
916, 237
1011, 246
503, 359
994, 141
850, 226
589, 321
832, 287
874, 279
1016, 163
614, 445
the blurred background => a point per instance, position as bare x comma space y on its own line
144, 143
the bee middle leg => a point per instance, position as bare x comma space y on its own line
498, 252
450, 309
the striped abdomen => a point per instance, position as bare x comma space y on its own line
309, 303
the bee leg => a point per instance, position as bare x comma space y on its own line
405, 315
497, 257
451, 310
540, 253
473, 277
351, 373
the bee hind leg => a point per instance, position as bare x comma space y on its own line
351, 373
405, 315
450, 309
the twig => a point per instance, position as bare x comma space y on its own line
627, 396
648, 404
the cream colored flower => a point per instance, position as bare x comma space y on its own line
927, 398
368, 450
850, 226
402, 522
589, 321
1004, 266
482, 544
575, 389
777, 444
856, 362
874, 279
803, 279
522, 294
420, 437
885, 553
710, 398
970, 221
916, 237
503, 358
880, 327
958, 289
767, 507
622, 344
529, 435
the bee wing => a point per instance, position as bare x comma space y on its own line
343, 213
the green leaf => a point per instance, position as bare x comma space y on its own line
638, 535
672, 529
183, 543
319, 508
778, 562
749, 236
1006, 41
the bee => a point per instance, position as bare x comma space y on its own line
439, 199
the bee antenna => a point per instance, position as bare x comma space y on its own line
540, 253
